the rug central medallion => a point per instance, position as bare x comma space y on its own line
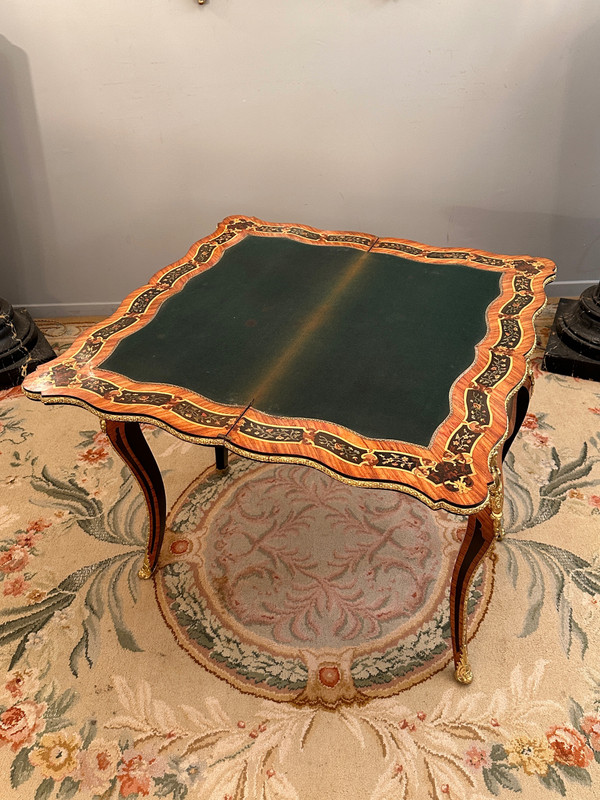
296, 587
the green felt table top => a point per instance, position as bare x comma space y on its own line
367, 340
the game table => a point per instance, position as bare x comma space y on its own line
383, 362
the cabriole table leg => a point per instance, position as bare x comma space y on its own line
478, 539
129, 442
483, 528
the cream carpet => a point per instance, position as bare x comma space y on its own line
294, 643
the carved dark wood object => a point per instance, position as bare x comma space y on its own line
22, 345
574, 344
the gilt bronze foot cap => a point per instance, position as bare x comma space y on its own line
463, 672
145, 572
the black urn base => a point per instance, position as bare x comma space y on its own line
23, 346
574, 344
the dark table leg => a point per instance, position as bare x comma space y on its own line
478, 539
519, 410
517, 415
221, 457
482, 529
129, 442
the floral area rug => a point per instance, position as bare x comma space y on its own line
294, 644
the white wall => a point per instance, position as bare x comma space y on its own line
128, 129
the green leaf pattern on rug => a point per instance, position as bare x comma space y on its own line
562, 566
12, 430
524, 511
123, 522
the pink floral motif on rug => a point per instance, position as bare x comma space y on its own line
294, 586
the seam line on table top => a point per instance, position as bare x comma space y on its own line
309, 327
242, 414
237, 419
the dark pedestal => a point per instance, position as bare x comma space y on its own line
22, 346
574, 344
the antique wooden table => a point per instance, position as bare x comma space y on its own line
383, 362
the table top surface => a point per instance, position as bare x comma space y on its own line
382, 361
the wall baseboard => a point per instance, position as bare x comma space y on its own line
54, 310
568, 288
